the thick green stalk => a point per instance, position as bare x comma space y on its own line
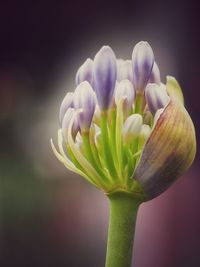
123, 212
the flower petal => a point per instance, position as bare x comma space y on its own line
169, 151
66, 103
65, 161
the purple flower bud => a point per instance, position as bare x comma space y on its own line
66, 121
105, 72
155, 74
156, 97
125, 90
132, 127
66, 103
85, 72
124, 70
142, 60
84, 99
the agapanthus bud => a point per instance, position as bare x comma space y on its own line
144, 134
105, 72
85, 72
66, 103
156, 97
66, 121
125, 90
142, 60
125, 71
137, 151
132, 127
155, 74
84, 99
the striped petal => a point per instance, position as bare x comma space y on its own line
169, 151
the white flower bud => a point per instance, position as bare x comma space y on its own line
85, 72
125, 70
144, 134
66, 103
132, 127
125, 90
66, 122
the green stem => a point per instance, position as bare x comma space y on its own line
123, 212
106, 146
139, 103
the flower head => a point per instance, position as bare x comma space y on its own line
123, 129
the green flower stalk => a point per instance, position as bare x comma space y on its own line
126, 133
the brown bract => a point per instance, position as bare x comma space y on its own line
169, 151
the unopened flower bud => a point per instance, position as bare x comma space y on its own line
132, 127
125, 71
144, 134
85, 72
155, 74
156, 97
66, 121
142, 60
66, 103
125, 90
141, 151
105, 72
97, 115
84, 99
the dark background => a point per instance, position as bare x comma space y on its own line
48, 216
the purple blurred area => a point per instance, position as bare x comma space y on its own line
48, 216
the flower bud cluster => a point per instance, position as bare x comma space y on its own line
108, 120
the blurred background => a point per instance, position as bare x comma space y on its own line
49, 216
